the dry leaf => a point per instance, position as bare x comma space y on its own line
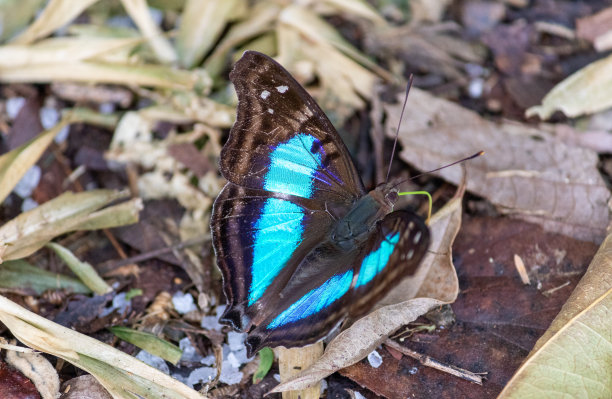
574, 356
434, 284
14, 164
56, 14
202, 24
122, 375
584, 92
139, 12
29, 231
38, 369
526, 172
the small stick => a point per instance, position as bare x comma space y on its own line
433, 363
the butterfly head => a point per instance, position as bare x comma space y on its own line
387, 194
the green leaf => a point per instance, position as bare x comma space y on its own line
20, 276
149, 342
83, 270
266, 358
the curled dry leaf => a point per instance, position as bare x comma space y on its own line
38, 369
122, 375
584, 92
574, 355
434, 284
29, 231
526, 172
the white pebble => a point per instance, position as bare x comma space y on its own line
229, 374
190, 353
13, 106
183, 303
235, 340
28, 204
375, 359
62, 135
28, 182
48, 117
153, 361
201, 375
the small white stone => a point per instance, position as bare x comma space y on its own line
106, 108
48, 117
358, 395
265, 94
183, 302
13, 106
276, 377
270, 111
235, 340
190, 353
413, 370
153, 361
229, 374
476, 87
209, 360
28, 204
28, 182
201, 375
282, 89
375, 359
62, 135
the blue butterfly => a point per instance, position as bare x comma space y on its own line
301, 244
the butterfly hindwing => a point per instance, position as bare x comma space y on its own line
282, 139
319, 300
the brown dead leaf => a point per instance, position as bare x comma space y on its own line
595, 27
85, 386
15, 385
434, 284
574, 354
526, 172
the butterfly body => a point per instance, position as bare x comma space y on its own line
300, 243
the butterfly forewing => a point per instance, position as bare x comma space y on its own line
282, 139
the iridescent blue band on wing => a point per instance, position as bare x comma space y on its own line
278, 232
376, 261
295, 165
315, 300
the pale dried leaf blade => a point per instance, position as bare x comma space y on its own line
575, 362
593, 285
526, 172
39, 370
356, 342
587, 91
202, 23
139, 12
56, 14
14, 164
122, 375
32, 229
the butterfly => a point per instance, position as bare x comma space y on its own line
300, 243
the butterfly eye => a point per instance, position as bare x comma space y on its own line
392, 197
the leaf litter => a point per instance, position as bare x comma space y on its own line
495, 59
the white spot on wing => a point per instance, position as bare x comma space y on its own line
282, 89
265, 94
410, 254
270, 111
417, 237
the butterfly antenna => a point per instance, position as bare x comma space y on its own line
479, 153
398, 127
